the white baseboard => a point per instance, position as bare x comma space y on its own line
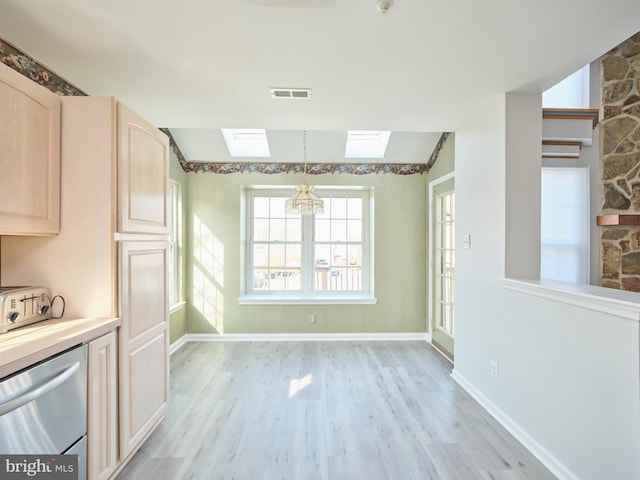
295, 337
556, 467
177, 345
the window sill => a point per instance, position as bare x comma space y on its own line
174, 307
307, 300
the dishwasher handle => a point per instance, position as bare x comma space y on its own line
38, 391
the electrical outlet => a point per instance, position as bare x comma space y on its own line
313, 318
494, 369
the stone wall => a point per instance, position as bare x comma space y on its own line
620, 162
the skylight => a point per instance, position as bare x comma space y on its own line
246, 142
366, 143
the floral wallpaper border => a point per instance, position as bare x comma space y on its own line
30, 68
312, 169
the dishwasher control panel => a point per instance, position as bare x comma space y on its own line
20, 306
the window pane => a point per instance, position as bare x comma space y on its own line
355, 255
326, 212
323, 230
322, 255
339, 255
261, 207
321, 278
354, 279
261, 229
294, 230
260, 255
564, 224
572, 92
338, 278
278, 207
276, 256
294, 256
354, 230
354, 208
277, 232
260, 278
338, 230
339, 207
450, 259
292, 279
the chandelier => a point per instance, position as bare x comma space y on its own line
304, 202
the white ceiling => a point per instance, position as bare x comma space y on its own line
199, 65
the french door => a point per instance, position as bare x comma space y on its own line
443, 267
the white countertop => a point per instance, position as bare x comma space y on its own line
27, 345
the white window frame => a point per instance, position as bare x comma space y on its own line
307, 295
176, 290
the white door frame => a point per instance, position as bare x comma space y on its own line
432, 185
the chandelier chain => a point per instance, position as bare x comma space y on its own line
304, 202
304, 152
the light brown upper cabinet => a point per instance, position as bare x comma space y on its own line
142, 175
29, 156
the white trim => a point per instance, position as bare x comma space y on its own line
606, 300
549, 460
441, 353
296, 337
178, 344
176, 306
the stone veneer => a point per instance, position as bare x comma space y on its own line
620, 164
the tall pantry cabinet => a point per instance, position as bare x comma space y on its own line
111, 257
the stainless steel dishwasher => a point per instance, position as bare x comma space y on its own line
43, 409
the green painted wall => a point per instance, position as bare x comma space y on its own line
213, 233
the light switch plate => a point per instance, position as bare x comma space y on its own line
466, 241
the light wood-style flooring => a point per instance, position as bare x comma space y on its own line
324, 410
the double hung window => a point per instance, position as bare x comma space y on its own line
175, 240
320, 256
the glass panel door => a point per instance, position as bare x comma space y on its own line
443, 267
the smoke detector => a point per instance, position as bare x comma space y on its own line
384, 5
291, 93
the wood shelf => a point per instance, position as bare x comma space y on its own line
611, 220
572, 114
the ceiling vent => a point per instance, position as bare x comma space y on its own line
291, 93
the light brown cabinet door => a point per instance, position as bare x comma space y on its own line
29, 156
144, 340
143, 175
102, 428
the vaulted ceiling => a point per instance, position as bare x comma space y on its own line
421, 68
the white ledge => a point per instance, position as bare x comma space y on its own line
307, 300
607, 300
176, 306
